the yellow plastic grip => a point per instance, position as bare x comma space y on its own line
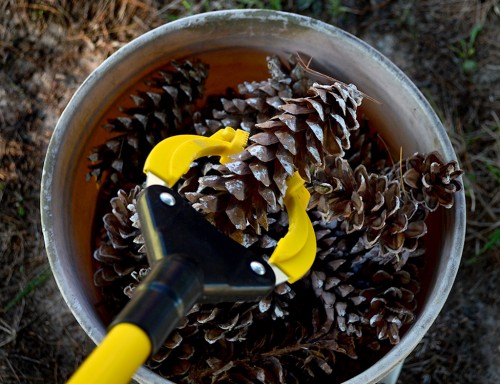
296, 251
172, 157
124, 349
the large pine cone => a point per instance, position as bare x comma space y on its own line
372, 203
308, 359
165, 109
219, 329
398, 233
120, 253
390, 302
206, 327
121, 250
355, 197
356, 292
431, 181
295, 140
334, 279
257, 102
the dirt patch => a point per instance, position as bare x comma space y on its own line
450, 49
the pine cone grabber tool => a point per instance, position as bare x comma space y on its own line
191, 261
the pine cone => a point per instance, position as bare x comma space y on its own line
298, 139
163, 110
399, 233
357, 293
309, 359
276, 303
211, 328
338, 192
391, 302
430, 181
333, 279
359, 199
370, 203
122, 247
121, 253
308, 129
203, 172
257, 102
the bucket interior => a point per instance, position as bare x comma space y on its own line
235, 50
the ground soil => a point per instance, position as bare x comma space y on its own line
48, 47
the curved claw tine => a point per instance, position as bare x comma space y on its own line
296, 251
172, 157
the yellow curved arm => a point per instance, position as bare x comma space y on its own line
172, 157
124, 349
296, 251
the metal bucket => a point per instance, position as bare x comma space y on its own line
231, 42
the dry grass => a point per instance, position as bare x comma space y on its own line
48, 47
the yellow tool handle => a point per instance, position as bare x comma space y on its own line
124, 349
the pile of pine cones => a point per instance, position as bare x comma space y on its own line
369, 214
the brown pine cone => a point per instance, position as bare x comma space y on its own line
360, 200
399, 234
211, 328
298, 139
309, 129
390, 302
122, 247
370, 203
119, 255
338, 192
309, 360
333, 278
359, 296
165, 109
257, 102
431, 181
